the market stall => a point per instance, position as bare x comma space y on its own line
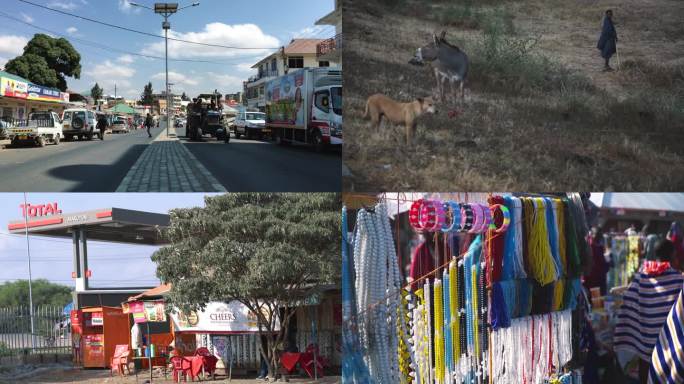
491, 292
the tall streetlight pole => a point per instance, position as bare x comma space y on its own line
166, 10
28, 255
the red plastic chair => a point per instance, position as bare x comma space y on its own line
119, 360
181, 367
307, 361
202, 351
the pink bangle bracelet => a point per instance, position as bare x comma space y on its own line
479, 218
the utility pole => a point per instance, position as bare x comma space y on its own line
166, 10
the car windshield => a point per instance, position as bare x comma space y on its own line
72, 115
256, 116
337, 100
40, 116
119, 120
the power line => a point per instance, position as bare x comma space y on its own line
141, 32
109, 48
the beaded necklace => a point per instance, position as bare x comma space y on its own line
438, 318
446, 323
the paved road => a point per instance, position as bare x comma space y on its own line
249, 165
76, 166
242, 165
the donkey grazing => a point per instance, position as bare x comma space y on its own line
448, 61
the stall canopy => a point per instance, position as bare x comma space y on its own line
123, 108
672, 202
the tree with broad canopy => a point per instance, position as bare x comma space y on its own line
268, 251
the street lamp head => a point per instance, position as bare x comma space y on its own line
165, 8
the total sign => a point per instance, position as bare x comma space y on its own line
39, 210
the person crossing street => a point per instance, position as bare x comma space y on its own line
149, 122
102, 125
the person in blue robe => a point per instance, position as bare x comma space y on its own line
607, 43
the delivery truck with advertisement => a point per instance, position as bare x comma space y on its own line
305, 106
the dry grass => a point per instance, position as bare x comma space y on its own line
537, 115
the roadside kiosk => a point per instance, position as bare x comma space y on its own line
100, 330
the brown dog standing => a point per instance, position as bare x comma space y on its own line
380, 105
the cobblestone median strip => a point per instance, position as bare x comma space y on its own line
167, 166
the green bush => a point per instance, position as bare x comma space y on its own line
465, 15
4, 350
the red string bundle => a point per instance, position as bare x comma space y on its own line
494, 245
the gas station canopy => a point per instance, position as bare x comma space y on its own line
108, 224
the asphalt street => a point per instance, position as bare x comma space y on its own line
100, 166
72, 166
251, 165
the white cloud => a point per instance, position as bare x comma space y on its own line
239, 35
245, 67
126, 7
227, 83
108, 74
26, 17
12, 45
65, 5
178, 79
126, 59
72, 30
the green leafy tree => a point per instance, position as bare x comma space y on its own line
47, 61
96, 92
146, 97
268, 251
44, 293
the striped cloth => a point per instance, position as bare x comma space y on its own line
667, 362
647, 302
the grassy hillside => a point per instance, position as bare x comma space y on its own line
539, 114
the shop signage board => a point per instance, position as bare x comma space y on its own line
97, 319
144, 311
13, 88
40, 93
217, 317
39, 210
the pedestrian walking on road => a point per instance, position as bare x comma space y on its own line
149, 122
102, 125
607, 43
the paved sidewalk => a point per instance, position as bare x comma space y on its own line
167, 166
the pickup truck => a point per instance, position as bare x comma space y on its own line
40, 128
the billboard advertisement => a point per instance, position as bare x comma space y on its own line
40, 93
285, 99
217, 317
13, 88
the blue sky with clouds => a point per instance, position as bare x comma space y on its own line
260, 24
112, 264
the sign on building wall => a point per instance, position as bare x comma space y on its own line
13, 88
40, 93
217, 317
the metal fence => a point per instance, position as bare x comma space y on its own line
52, 331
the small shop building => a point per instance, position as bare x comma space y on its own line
19, 97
